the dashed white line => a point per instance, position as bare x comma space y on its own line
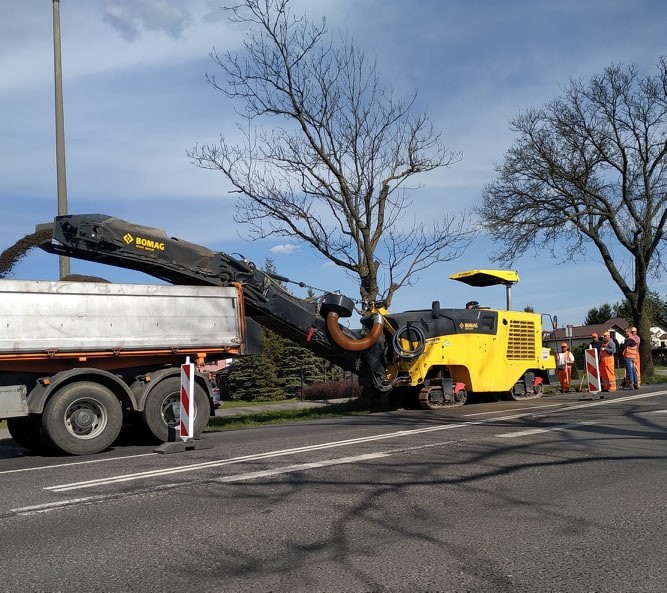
51, 506
300, 467
512, 410
243, 458
532, 431
73, 463
323, 446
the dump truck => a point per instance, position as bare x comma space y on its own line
74, 387
80, 359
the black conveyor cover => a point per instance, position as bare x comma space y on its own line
109, 240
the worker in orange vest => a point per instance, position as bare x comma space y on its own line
564, 362
630, 352
638, 365
607, 366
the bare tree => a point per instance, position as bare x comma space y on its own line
332, 168
590, 169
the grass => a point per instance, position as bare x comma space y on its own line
218, 423
239, 403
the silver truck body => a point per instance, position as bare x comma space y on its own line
42, 316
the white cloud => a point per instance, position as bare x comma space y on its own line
129, 17
285, 248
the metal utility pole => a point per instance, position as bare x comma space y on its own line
60, 129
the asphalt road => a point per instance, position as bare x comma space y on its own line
559, 494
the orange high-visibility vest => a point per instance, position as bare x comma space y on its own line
631, 351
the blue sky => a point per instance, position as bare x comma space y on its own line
136, 99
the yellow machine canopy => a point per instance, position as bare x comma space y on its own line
486, 277
481, 278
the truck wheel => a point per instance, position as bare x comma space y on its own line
26, 431
82, 418
162, 411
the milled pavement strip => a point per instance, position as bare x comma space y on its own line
329, 445
533, 431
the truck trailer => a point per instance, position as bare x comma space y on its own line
78, 360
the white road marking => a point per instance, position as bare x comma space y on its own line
325, 463
611, 401
523, 433
51, 506
512, 410
324, 446
301, 467
73, 463
241, 459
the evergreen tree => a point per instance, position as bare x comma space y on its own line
598, 315
253, 377
656, 308
274, 346
282, 370
293, 370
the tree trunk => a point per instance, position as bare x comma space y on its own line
645, 351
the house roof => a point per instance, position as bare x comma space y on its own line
583, 332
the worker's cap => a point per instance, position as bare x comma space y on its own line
472, 304
594, 335
563, 345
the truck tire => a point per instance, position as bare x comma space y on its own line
82, 418
26, 431
163, 408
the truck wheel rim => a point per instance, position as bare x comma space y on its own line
171, 410
85, 419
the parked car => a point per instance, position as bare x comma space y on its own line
215, 390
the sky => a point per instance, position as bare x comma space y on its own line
136, 99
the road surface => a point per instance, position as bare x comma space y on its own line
559, 494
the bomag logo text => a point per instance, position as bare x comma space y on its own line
149, 244
143, 243
468, 325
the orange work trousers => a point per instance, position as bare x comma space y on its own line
607, 372
564, 377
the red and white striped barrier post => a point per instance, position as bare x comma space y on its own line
593, 370
187, 406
